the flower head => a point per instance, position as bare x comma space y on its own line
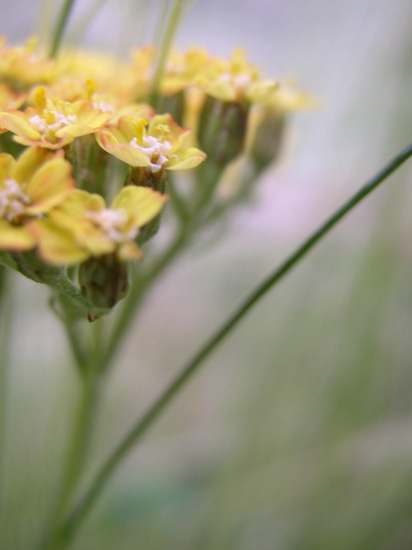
235, 80
53, 123
157, 145
29, 187
83, 226
22, 68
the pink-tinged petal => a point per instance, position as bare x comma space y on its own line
190, 158
175, 135
45, 144
128, 252
28, 163
142, 204
76, 130
89, 116
49, 186
56, 245
15, 238
123, 151
15, 121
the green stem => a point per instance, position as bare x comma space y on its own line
73, 338
79, 513
135, 296
5, 334
60, 27
168, 35
74, 459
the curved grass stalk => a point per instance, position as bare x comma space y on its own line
169, 32
79, 513
60, 26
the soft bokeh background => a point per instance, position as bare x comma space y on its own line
297, 433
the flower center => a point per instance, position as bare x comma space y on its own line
103, 105
112, 223
156, 151
13, 200
239, 82
49, 126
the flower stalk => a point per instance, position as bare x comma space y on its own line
79, 513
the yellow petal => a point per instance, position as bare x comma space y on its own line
71, 213
123, 151
56, 245
15, 238
221, 90
128, 252
140, 203
190, 158
28, 163
15, 122
6, 166
51, 183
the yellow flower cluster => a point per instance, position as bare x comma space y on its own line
59, 114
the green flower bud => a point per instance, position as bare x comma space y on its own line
104, 280
222, 129
267, 142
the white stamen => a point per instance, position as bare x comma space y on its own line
239, 82
49, 130
103, 106
13, 200
112, 222
156, 151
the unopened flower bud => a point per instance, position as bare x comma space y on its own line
104, 280
266, 142
144, 176
268, 121
222, 129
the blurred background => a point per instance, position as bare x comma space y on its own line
297, 432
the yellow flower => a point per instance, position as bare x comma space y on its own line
10, 99
287, 99
53, 123
158, 145
235, 80
110, 74
29, 187
182, 69
70, 89
83, 227
22, 68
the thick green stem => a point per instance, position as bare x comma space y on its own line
79, 513
60, 27
78, 443
6, 311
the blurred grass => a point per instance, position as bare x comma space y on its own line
297, 433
